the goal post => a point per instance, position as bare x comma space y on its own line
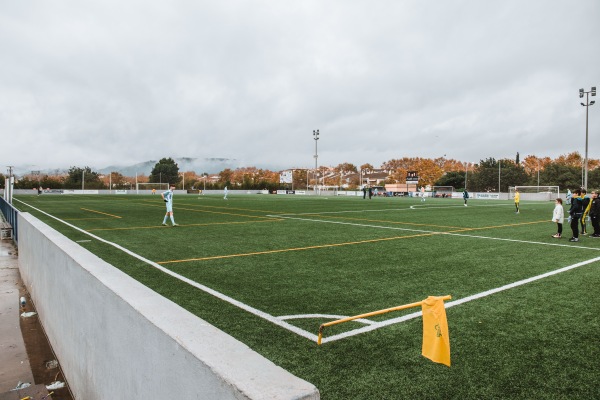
544, 193
442, 191
149, 186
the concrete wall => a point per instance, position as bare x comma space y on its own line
117, 339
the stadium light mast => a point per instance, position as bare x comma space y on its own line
538, 171
316, 137
499, 175
587, 105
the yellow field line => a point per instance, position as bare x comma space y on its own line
322, 246
339, 244
100, 212
235, 208
458, 228
162, 227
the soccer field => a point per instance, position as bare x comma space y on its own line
269, 270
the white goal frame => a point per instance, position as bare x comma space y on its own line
150, 186
545, 193
443, 189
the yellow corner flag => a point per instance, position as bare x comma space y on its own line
436, 341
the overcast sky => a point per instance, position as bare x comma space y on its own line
99, 83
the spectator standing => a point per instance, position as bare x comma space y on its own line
586, 200
575, 213
558, 216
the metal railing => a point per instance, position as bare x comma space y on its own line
10, 214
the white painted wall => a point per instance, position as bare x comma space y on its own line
117, 339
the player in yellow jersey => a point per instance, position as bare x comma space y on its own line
587, 202
517, 199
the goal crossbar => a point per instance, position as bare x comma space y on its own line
549, 193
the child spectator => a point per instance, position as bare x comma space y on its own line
558, 216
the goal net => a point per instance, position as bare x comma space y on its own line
443, 191
546, 193
149, 186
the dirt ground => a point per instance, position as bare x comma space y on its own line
40, 362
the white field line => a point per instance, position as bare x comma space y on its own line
459, 301
412, 207
195, 284
436, 233
327, 316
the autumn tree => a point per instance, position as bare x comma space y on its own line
533, 164
346, 168
117, 180
571, 160
226, 177
366, 167
299, 178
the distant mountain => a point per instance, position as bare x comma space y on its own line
198, 165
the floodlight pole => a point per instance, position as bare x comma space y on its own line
587, 108
499, 171
466, 173
316, 137
538, 187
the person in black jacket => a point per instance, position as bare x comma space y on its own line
575, 214
595, 214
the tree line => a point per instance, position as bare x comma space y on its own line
488, 175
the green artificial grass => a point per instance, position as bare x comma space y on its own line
294, 255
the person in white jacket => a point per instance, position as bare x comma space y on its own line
558, 216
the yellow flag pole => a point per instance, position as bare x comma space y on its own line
371, 314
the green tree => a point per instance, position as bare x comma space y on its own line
488, 172
25, 183
593, 179
456, 179
564, 176
165, 171
52, 182
83, 177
